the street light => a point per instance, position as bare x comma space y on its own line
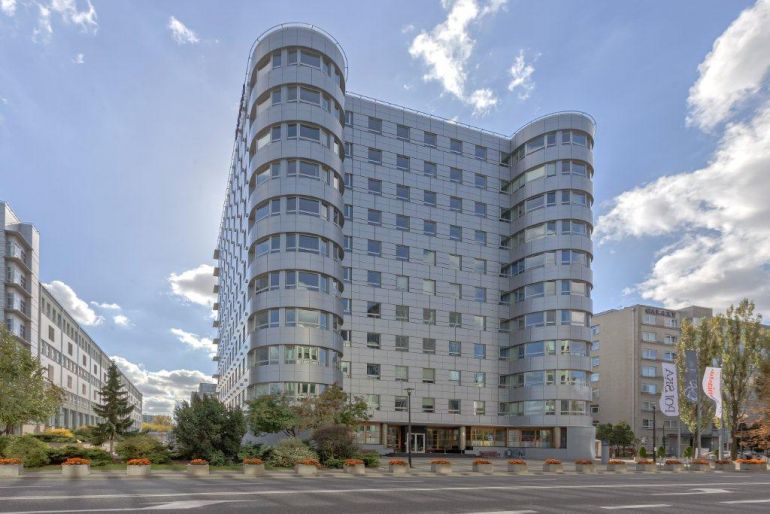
654, 436
409, 391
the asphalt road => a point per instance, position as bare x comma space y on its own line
669, 493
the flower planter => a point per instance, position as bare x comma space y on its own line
138, 471
647, 468
585, 468
253, 470
484, 468
750, 467
725, 466
76, 470
519, 469
700, 467
553, 468
617, 468
355, 469
198, 470
11, 470
674, 468
441, 469
306, 470
398, 469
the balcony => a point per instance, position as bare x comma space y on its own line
215, 323
19, 257
215, 340
215, 358
20, 309
216, 288
216, 253
216, 271
215, 306
15, 280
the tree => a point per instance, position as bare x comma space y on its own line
332, 407
271, 414
704, 341
114, 409
25, 392
760, 434
207, 429
619, 436
742, 340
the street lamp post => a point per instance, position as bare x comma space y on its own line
654, 436
409, 391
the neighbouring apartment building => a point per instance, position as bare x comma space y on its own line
205, 390
388, 250
628, 348
73, 360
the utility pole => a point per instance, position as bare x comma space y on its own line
654, 436
409, 391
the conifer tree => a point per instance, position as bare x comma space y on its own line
114, 409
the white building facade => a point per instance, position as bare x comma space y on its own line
384, 249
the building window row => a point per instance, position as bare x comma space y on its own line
551, 139
293, 131
544, 348
547, 229
292, 389
547, 259
548, 288
404, 223
297, 205
545, 378
298, 168
294, 93
544, 408
304, 318
548, 318
549, 199
297, 56
549, 169
293, 242
294, 354
297, 279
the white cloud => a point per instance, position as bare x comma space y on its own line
715, 218
107, 306
194, 341
734, 70
406, 29
447, 48
181, 34
195, 285
8, 7
121, 320
161, 389
70, 15
521, 76
44, 29
79, 59
77, 308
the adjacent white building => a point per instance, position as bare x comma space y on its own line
73, 360
387, 250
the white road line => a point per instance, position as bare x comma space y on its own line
733, 502
507, 512
647, 506
700, 490
399, 490
183, 505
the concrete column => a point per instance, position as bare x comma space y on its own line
384, 434
557, 437
462, 439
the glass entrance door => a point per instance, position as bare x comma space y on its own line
418, 443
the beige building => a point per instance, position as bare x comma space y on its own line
628, 347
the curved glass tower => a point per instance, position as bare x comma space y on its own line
381, 248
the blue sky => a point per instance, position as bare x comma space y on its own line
117, 119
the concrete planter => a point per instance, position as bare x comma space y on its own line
138, 471
76, 471
752, 468
305, 470
198, 470
11, 470
617, 468
730, 466
553, 468
484, 468
585, 468
519, 469
397, 469
355, 469
674, 468
441, 469
700, 467
253, 470
647, 468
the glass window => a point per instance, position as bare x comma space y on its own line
428, 286
310, 58
430, 169
402, 132
429, 316
428, 345
373, 309
375, 186
373, 278
454, 406
428, 404
479, 265
400, 404
372, 340
402, 222
480, 322
455, 233
454, 376
430, 139
480, 181
479, 407
309, 95
455, 348
429, 227
307, 132
375, 155
402, 373
455, 204
402, 283
481, 152
402, 192
373, 371
456, 175
480, 294
374, 217
429, 198
402, 343
402, 252
455, 146
479, 351
375, 125
480, 209
402, 313
455, 261
374, 247
455, 319
535, 144
429, 257
428, 375
402, 162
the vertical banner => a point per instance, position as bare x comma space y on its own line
691, 375
669, 397
712, 386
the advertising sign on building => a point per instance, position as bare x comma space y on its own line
669, 398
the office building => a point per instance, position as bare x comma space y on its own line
37, 320
629, 346
205, 390
384, 249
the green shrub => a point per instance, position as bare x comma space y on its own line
217, 458
287, 452
4, 441
143, 446
89, 434
333, 463
253, 450
371, 459
54, 438
661, 452
688, 452
32, 451
334, 442
96, 456
643, 452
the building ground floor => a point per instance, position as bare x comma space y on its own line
535, 442
66, 417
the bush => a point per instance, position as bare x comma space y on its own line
252, 450
89, 434
643, 452
143, 446
334, 442
371, 459
32, 452
333, 463
217, 458
96, 456
4, 441
688, 452
287, 452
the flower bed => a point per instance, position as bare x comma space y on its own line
10, 467
441, 466
674, 465
646, 465
700, 465
198, 467
398, 466
397, 462
553, 465
518, 466
483, 466
138, 467
750, 465
138, 462
76, 467
199, 462
252, 462
724, 465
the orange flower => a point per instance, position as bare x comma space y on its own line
615, 462
706, 462
518, 462
723, 461
750, 461
584, 462
353, 462
10, 462
644, 461
309, 462
481, 461
138, 462
199, 462
397, 462
253, 462
440, 461
76, 461
673, 462
552, 461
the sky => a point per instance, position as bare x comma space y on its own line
117, 122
